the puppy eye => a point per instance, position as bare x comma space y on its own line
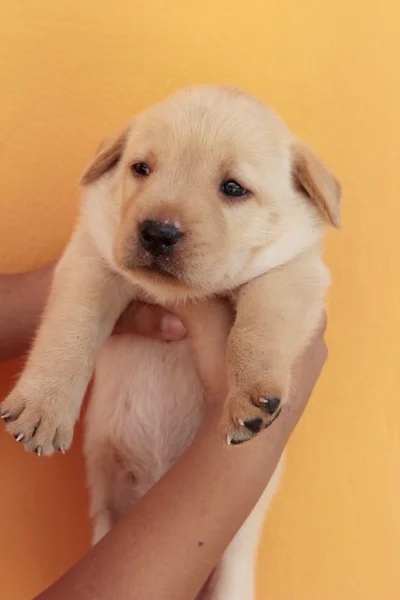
141, 169
233, 189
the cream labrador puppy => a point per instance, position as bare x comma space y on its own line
206, 193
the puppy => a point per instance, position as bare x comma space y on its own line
207, 193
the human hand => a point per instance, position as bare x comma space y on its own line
151, 321
208, 324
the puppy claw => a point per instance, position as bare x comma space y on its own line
232, 441
254, 425
38, 451
271, 404
236, 442
5, 415
19, 437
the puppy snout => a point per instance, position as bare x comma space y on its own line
159, 238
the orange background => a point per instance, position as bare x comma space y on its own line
72, 72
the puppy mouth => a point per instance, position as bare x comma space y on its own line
159, 267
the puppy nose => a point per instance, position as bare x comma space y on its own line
159, 238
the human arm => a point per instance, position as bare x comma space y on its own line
24, 295
22, 299
168, 544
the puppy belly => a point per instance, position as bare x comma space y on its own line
145, 409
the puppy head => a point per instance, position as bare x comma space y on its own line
211, 189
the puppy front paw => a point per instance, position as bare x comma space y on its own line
247, 412
39, 423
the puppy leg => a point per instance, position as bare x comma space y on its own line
113, 488
276, 316
85, 301
101, 525
100, 477
234, 577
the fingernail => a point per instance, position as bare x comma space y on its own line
172, 327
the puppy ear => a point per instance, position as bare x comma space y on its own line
320, 185
108, 154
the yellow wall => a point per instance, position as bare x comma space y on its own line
73, 71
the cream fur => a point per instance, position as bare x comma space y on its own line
264, 251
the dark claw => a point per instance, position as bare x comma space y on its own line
234, 442
271, 405
275, 416
254, 425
